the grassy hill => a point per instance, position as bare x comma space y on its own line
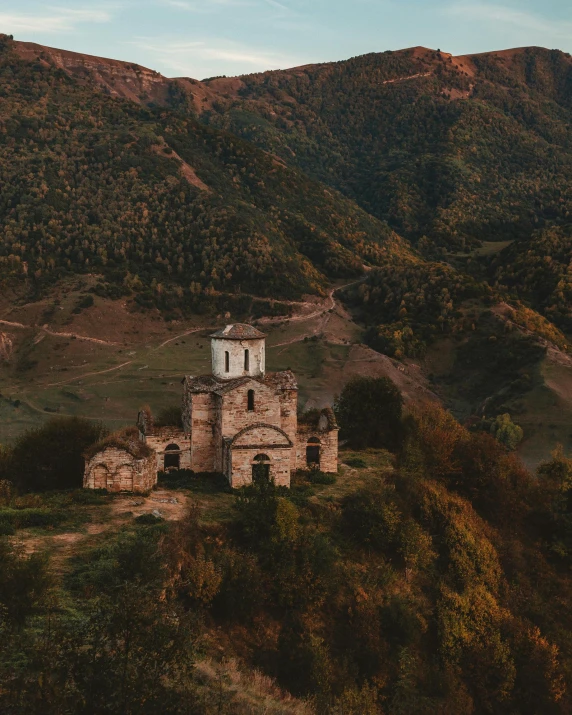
431, 580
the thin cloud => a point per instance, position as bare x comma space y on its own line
58, 20
278, 5
203, 57
205, 6
518, 19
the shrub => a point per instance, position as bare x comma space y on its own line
356, 462
506, 432
147, 519
51, 457
29, 518
315, 476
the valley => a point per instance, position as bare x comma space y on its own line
374, 231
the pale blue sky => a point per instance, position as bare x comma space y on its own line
201, 38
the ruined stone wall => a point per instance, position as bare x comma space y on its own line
186, 410
203, 419
117, 470
328, 448
236, 348
162, 437
243, 459
234, 408
289, 418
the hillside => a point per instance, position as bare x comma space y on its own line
431, 580
158, 204
130, 216
458, 149
450, 151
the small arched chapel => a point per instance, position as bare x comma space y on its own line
239, 420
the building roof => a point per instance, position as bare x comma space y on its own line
207, 383
238, 331
126, 439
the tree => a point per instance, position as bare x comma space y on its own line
506, 432
369, 412
51, 457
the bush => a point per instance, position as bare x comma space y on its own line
51, 457
147, 519
505, 431
315, 476
29, 518
356, 462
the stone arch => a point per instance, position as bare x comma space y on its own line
262, 426
172, 457
313, 452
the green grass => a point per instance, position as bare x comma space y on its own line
52, 512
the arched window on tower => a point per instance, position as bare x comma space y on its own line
226, 361
247, 360
251, 400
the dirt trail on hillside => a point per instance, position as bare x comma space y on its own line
405, 79
47, 331
182, 335
324, 311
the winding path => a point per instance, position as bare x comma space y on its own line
328, 305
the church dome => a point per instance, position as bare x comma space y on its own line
239, 331
238, 350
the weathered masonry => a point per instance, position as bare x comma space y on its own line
241, 420
121, 463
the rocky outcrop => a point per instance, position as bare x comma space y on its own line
6, 347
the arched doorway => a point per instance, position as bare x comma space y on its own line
172, 457
313, 453
261, 468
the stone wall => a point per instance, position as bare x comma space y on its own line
202, 415
117, 470
289, 418
242, 461
328, 448
235, 349
233, 408
162, 437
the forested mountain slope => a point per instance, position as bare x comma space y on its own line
459, 149
157, 202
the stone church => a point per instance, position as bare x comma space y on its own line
239, 421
